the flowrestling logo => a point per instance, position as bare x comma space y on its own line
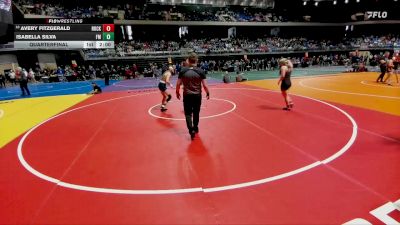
376, 15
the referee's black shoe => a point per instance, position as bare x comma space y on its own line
192, 135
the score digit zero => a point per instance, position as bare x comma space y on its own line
108, 36
108, 27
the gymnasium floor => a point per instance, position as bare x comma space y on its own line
115, 158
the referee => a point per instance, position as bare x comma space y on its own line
193, 79
382, 65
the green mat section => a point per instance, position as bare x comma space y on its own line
274, 74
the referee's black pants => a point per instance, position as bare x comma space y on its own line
380, 78
191, 106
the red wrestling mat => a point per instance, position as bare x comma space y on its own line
116, 159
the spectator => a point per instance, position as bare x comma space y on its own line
226, 78
2, 80
12, 77
240, 77
96, 89
31, 75
362, 68
23, 83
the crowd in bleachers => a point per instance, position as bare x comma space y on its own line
262, 45
150, 12
387, 41
271, 63
29, 7
215, 14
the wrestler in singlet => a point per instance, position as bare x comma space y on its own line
162, 86
396, 62
286, 82
286, 68
389, 70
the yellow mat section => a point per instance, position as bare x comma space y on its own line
18, 116
355, 89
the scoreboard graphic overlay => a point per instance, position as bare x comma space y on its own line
65, 34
